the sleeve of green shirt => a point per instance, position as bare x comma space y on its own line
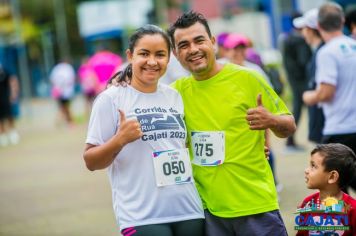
270, 100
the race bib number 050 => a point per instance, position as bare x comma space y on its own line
208, 147
172, 167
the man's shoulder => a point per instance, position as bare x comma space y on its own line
182, 83
336, 44
232, 71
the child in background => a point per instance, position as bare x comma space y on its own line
331, 167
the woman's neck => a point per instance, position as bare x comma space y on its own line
144, 88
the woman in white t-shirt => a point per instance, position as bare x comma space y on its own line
136, 130
62, 78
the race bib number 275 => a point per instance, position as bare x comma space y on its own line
208, 147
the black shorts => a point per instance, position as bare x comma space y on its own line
5, 110
263, 224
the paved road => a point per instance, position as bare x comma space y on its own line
45, 188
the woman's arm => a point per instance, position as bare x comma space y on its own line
100, 157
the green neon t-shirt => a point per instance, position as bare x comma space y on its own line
243, 184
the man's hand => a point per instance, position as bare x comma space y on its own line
259, 118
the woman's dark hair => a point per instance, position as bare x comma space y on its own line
186, 20
340, 158
124, 76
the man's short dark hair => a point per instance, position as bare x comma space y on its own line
186, 20
331, 17
340, 158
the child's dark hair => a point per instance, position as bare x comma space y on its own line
186, 20
340, 158
124, 76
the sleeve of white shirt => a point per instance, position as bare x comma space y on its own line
326, 68
103, 121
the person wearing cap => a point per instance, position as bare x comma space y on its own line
295, 54
236, 46
308, 23
222, 52
336, 79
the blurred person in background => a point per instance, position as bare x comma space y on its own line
137, 132
105, 64
89, 83
221, 54
308, 23
252, 55
271, 71
336, 79
350, 22
296, 55
236, 46
14, 136
9, 95
63, 79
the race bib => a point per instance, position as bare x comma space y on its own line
172, 167
208, 148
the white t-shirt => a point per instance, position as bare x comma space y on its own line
63, 78
136, 198
336, 65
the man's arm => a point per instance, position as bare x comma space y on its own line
283, 125
324, 93
259, 118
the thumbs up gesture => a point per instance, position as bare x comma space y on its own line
129, 130
259, 118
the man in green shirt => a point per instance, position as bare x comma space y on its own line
227, 110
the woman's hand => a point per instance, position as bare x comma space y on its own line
130, 130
